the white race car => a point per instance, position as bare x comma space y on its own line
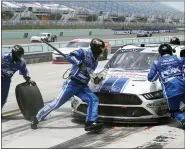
74, 45
124, 93
46, 36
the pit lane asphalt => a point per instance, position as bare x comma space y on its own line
61, 131
67, 38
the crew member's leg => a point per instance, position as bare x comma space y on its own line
5, 86
68, 90
86, 95
174, 107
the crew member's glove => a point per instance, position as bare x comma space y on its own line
29, 81
82, 67
97, 80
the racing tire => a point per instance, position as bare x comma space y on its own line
29, 99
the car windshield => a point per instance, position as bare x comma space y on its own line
132, 59
77, 44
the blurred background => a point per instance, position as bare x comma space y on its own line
91, 14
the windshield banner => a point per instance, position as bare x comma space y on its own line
142, 76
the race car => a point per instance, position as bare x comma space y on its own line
47, 36
74, 45
125, 95
144, 34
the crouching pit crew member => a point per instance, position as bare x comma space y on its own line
170, 71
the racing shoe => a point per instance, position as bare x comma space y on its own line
96, 126
34, 123
183, 124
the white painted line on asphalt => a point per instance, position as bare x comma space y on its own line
52, 72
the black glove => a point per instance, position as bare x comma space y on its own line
98, 80
29, 81
82, 67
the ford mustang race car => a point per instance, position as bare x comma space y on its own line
144, 34
124, 93
74, 45
47, 36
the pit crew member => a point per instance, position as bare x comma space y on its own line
84, 63
10, 63
169, 70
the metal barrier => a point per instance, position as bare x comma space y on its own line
20, 34
41, 47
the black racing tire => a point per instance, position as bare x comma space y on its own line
29, 99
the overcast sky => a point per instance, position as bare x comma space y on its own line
177, 5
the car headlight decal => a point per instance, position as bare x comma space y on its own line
153, 95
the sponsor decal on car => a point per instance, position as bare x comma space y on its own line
142, 76
158, 104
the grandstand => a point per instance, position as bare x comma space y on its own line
92, 11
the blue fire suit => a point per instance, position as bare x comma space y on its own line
8, 68
170, 71
76, 85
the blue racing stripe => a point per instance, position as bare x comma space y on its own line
106, 87
119, 85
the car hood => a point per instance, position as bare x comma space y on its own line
66, 50
121, 81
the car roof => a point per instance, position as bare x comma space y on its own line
81, 40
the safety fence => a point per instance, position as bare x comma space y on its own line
20, 34
28, 33
34, 48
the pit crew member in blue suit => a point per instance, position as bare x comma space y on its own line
170, 71
84, 62
10, 63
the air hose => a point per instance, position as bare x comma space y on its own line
63, 76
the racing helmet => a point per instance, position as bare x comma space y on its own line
175, 41
17, 53
165, 49
97, 46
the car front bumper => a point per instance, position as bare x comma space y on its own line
81, 116
145, 112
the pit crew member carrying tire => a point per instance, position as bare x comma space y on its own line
84, 63
10, 63
170, 71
